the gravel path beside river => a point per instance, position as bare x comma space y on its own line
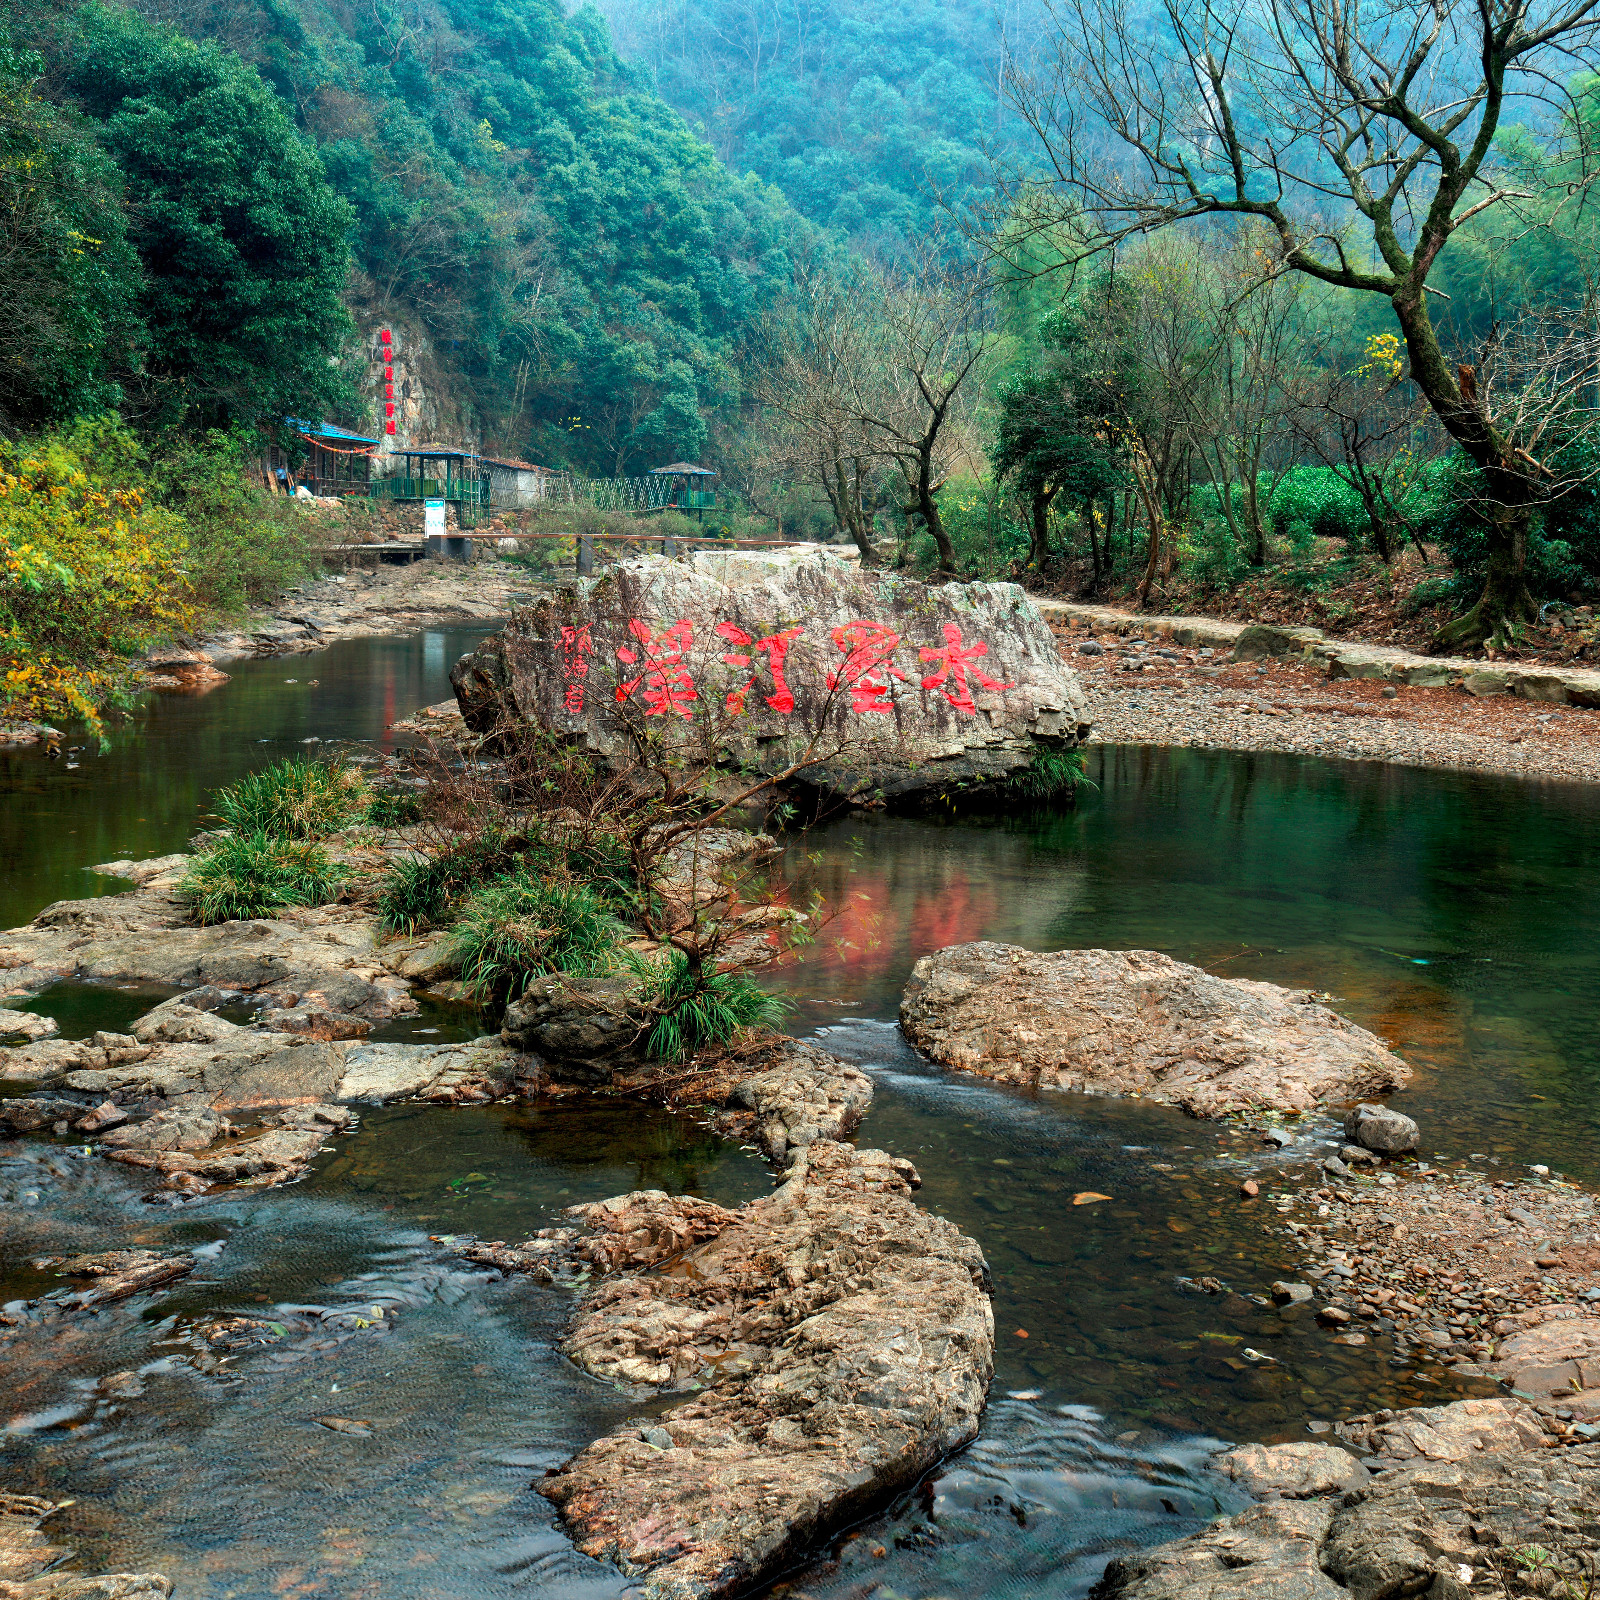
1142, 693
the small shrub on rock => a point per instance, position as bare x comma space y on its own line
523, 927
698, 1010
254, 875
295, 799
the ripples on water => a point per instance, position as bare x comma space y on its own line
1457, 916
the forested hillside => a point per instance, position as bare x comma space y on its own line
579, 257
869, 115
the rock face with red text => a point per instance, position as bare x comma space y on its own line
1136, 1022
873, 684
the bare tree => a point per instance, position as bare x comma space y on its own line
1364, 137
1254, 326
871, 372
931, 339
818, 366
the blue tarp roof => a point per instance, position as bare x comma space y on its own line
327, 430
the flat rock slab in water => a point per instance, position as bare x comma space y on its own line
1135, 1022
846, 1342
25, 1553
327, 958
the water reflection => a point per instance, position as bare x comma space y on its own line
143, 796
1456, 915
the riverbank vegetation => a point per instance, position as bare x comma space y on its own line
535, 863
1020, 366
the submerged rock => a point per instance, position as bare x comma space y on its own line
845, 1342
1135, 1022
878, 684
26, 1553
114, 1275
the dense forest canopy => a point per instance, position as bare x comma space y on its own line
869, 116
582, 261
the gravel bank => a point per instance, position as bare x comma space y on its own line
1457, 1263
1141, 693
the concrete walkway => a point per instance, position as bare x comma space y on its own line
1341, 658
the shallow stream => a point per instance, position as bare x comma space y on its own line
1455, 915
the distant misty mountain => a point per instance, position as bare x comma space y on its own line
864, 112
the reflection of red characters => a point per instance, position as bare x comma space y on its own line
868, 646
775, 647
668, 686
953, 663
575, 645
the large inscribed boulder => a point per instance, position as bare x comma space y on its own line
793, 665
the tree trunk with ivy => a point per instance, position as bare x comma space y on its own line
1510, 479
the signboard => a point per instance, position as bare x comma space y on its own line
433, 519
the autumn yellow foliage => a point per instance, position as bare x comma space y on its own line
90, 573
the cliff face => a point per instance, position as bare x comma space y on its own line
431, 403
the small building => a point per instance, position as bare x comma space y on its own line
515, 485
688, 486
439, 472
337, 462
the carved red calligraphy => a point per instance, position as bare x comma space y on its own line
867, 668
956, 660
668, 687
575, 647
775, 647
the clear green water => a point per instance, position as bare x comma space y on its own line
1454, 915
145, 795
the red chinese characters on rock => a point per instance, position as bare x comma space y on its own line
575, 647
775, 647
867, 668
956, 660
668, 686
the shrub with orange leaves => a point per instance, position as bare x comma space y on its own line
90, 572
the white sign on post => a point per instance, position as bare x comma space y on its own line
433, 519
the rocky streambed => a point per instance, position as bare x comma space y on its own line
1043, 1459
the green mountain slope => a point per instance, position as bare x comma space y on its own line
584, 264
864, 112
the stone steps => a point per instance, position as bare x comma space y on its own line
1342, 658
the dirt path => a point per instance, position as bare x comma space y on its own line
1141, 692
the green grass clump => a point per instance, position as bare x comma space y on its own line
1051, 775
419, 891
393, 808
523, 926
699, 1012
295, 799
253, 875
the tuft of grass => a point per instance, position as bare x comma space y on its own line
295, 799
1051, 775
393, 808
253, 875
418, 892
522, 927
699, 1011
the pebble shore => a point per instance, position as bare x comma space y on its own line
1143, 693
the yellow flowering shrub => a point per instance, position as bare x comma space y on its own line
90, 573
